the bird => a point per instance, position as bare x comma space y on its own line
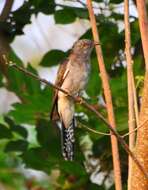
72, 76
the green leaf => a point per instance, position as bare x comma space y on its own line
14, 58
19, 82
32, 86
47, 7
1, 78
22, 113
117, 16
49, 138
81, 13
72, 168
16, 128
64, 16
36, 106
116, 1
19, 145
101, 150
37, 158
135, 33
122, 118
43, 133
111, 41
94, 84
5, 132
20, 130
119, 90
99, 0
53, 57
95, 187
139, 65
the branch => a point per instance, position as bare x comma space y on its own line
6, 10
86, 105
108, 98
136, 129
94, 131
130, 83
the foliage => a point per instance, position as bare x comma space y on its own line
36, 99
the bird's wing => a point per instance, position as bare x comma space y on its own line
61, 75
67, 134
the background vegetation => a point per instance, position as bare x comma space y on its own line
30, 117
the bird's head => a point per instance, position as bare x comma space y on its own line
83, 47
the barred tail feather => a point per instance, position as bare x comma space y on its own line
68, 141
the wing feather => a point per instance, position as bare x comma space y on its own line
61, 74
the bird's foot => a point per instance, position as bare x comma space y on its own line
80, 100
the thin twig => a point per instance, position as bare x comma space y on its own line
136, 129
86, 105
108, 98
94, 131
108, 134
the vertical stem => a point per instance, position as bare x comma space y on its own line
6, 10
130, 81
4, 44
138, 182
108, 98
143, 22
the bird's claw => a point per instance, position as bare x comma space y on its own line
80, 100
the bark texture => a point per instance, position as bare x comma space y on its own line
139, 182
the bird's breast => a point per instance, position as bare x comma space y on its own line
77, 78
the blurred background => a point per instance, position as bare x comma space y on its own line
37, 35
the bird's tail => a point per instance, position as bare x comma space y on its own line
68, 140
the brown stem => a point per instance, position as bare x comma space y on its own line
143, 22
88, 106
108, 98
4, 44
130, 77
6, 10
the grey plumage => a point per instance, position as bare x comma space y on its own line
72, 76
